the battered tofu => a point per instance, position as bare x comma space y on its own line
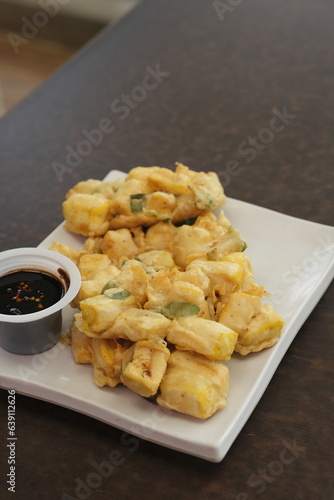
107, 360
203, 336
167, 291
99, 313
94, 186
161, 292
194, 385
119, 243
144, 209
87, 214
147, 195
90, 263
69, 252
81, 346
160, 236
258, 325
144, 365
208, 238
139, 324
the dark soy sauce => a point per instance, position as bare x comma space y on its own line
26, 291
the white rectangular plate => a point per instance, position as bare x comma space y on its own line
292, 258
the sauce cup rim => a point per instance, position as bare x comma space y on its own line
21, 258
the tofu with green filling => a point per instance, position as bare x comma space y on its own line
144, 365
132, 277
138, 324
208, 191
99, 312
144, 209
194, 385
96, 286
161, 292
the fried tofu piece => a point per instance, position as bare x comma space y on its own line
158, 205
239, 310
156, 259
204, 192
138, 235
87, 214
196, 191
161, 179
94, 186
185, 208
160, 236
193, 275
81, 346
89, 288
66, 250
119, 243
222, 278
165, 195
84, 187
264, 331
242, 259
144, 365
99, 313
215, 224
214, 340
139, 324
168, 181
208, 191
105, 273
209, 238
147, 195
90, 263
258, 325
173, 299
194, 385
135, 204
145, 209
121, 203
130, 324
229, 242
92, 244
107, 360
248, 285
101, 280
228, 274
133, 277
191, 243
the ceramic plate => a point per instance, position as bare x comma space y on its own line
292, 258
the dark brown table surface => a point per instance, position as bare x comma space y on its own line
224, 70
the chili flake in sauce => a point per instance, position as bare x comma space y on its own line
27, 291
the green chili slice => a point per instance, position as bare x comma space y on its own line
179, 309
137, 202
123, 294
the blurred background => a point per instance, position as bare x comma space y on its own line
37, 36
